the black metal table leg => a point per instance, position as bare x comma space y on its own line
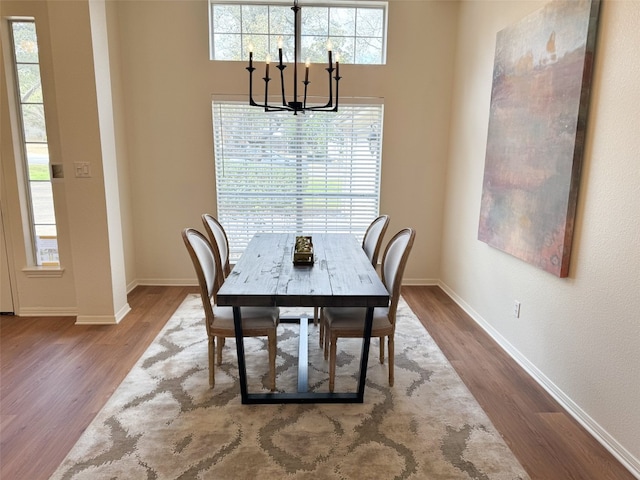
364, 360
302, 395
242, 367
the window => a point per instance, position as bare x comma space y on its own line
277, 172
357, 31
34, 143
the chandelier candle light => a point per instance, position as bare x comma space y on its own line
295, 105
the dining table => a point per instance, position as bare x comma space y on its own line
339, 275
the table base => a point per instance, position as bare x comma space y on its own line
303, 395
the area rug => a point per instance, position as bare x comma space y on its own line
164, 422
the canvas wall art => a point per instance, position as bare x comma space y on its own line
537, 122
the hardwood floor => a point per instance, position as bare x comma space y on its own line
549, 443
55, 376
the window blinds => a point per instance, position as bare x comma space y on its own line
303, 174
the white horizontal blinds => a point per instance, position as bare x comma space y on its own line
306, 173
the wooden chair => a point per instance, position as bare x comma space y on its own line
256, 321
349, 322
371, 243
220, 243
372, 240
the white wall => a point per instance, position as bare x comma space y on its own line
79, 104
168, 81
579, 335
156, 139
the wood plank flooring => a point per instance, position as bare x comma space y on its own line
55, 376
547, 441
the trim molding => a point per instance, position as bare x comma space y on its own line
167, 282
599, 433
122, 312
73, 312
43, 272
96, 320
131, 286
47, 312
420, 282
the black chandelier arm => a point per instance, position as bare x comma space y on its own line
330, 71
252, 102
280, 67
329, 105
295, 105
304, 103
278, 108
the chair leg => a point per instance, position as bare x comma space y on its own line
332, 363
212, 366
220, 341
325, 341
381, 340
391, 359
315, 316
272, 360
321, 331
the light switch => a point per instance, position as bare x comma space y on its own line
83, 169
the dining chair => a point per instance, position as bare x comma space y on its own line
347, 322
372, 240
371, 243
256, 321
220, 243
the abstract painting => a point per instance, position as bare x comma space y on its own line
537, 123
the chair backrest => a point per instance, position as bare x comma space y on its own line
373, 238
220, 243
204, 263
393, 262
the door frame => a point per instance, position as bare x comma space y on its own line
7, 302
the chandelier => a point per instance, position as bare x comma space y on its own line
295, 105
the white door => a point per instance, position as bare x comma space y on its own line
6, 299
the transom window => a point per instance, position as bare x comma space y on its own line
356, 31
277, 172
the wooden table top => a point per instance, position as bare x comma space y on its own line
340, 276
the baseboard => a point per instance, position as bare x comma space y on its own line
96, 320
131, 286
47, 312
420, 282
104, 319
600, 434
167, 282
122, 312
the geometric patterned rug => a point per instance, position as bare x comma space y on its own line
164, 422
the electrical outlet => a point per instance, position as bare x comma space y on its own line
516, 309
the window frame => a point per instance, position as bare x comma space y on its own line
284, 206
35, 241
377, 4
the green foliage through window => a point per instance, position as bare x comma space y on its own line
357, 32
